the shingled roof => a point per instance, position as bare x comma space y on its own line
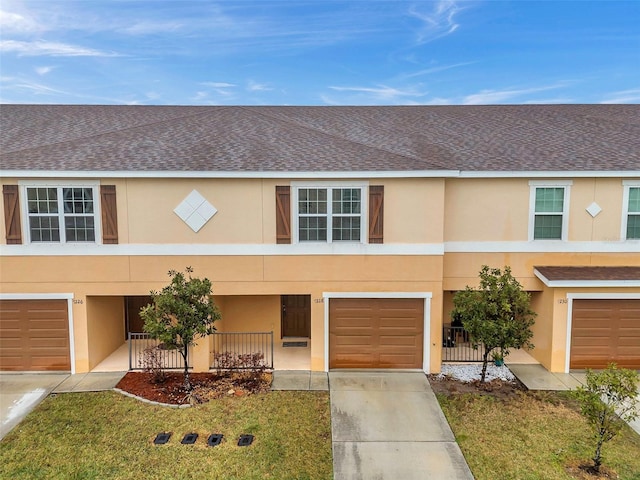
572, 275
508, 138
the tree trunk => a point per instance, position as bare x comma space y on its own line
597, 458
485, 359
185, 356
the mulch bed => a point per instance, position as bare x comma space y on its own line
497, 388
206, 386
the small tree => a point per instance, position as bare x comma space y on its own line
608, 400
497, 315
180, 313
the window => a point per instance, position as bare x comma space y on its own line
329, 214
632, 214
61, 214
549, 211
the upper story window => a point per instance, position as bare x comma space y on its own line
549, 210
60, 213
632, 211
329, 213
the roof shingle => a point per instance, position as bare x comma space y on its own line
320, 139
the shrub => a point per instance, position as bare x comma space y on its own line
153, 363
607, 401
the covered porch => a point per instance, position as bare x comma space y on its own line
278, 327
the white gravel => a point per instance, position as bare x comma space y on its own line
472, 371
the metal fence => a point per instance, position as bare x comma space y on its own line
145, 351
242, 350
456, 346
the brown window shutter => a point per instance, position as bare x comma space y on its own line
109, 214
12, 214
283, 214
376, 213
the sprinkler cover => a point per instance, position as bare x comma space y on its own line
245, 440
214, 439
189, 438
162, 438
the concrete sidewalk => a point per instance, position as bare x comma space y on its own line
388, 426
20, 393
536, 377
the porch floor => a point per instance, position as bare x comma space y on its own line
284, 358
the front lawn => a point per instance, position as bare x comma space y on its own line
108, 435
526, 436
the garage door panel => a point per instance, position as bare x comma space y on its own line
397, 361
375, 333
400, 340
347, 340
605, 331
34, 335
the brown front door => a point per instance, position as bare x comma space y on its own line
296, 315
135, 324
34, 335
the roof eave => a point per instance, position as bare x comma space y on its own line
308, 174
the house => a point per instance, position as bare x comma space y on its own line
351, 227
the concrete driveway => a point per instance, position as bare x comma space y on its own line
20, 393
388, 426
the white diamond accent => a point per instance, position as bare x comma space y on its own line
195, 211
594, 209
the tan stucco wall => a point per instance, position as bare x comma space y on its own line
542, 303
151, 218
413, 210
485, 210
105, 327
461, 269
607, 193
252, 313
246, 289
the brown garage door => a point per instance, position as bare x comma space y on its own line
34, 335
376, 333
604, 331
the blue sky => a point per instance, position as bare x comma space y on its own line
291, 52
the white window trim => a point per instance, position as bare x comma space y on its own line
627, 184
364, 211
535, 184
24, 209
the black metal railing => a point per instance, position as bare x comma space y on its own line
146, 352
457, 347
242, 350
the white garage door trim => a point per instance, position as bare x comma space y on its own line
588, 296
327, 296
51, 296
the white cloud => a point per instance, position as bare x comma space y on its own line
36, 88
623, 96
375, 95
441, 68
382, 92
217, 84
487, 97
11, 22
149, 28
53, 49
258, 87
439, 22
43, 70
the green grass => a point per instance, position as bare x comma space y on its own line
107, 435
532, 436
